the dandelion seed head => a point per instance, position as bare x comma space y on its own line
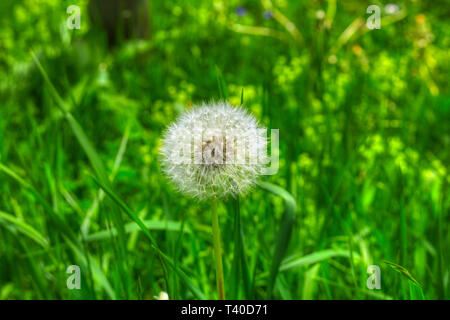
221, 148
391, 8
162, 296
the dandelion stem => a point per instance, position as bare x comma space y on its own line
217, 250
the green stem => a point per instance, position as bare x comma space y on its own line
217, 250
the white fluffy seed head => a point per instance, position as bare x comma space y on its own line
214, 150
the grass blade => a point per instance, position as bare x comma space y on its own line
313, 258
284, 234
57, 220
132, 227
239, 268
403, 271
415, 291
24, 228
222, 85
197, 293
100, 170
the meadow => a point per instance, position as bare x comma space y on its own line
364, 135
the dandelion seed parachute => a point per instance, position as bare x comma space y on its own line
202, 132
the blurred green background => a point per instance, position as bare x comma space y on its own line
364, 119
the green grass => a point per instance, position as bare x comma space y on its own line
364, 120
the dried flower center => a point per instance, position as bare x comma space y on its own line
214, 152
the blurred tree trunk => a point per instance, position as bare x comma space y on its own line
121, 19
